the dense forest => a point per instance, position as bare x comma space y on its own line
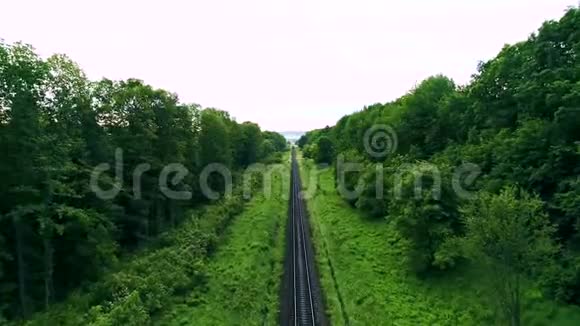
56, 127
105, 217
515, 128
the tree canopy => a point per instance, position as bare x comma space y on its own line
514, 125
57, 128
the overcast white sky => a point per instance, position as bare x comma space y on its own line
288, 65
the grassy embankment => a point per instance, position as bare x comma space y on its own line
246, 270
366, 282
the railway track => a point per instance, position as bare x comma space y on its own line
302, 291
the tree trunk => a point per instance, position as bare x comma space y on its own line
516, 313
171, 212
159, 215
21, 267
48, 272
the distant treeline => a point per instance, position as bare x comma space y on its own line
56, 127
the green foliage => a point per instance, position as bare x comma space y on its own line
148, 283
311, 150
421, 123
244, 274
249, 148
277, 140
124, 310
353, 251
517, 121
215, 145
348, 179
268, 148
56, 127
424, 209
365, 278
511, 236
325, 150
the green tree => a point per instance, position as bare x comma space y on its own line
250, 142
268, 148
56, 126
277, 140
23, 146
213, 139
325, 152
511, 235
424, 208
